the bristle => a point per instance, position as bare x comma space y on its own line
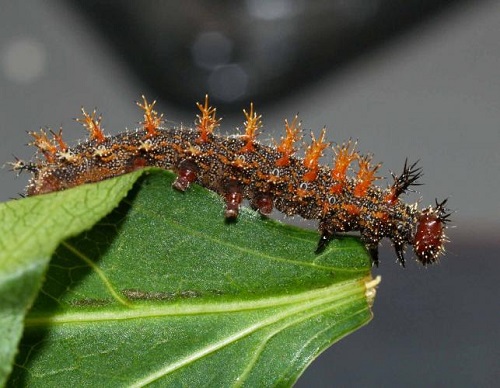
293, 133
252, 125
313, 153
48, 147
63, 147
409, 176
366, 176
345, 154
152, 121
206, 122
93, 125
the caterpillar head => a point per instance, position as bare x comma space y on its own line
429, 237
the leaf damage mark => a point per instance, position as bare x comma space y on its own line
136, 294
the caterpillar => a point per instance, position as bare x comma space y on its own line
238, 167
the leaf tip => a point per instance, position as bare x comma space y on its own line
371, 288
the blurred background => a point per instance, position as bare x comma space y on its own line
416, 79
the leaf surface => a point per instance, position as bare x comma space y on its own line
163, 291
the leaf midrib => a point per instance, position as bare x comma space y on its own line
139, 311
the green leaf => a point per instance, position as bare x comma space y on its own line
30, 231
162, 290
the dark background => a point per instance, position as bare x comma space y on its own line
416, 79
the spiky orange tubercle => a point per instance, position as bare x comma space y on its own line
313, 153
152, 121
366, 176
344, 156
206, 122
93, 125
286, 147
252, 125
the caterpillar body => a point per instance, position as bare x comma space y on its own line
239, 167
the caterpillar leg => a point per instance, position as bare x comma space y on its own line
187, 173
400, 249
323, 241
373, 250
233, 197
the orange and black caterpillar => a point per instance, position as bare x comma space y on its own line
238, 167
